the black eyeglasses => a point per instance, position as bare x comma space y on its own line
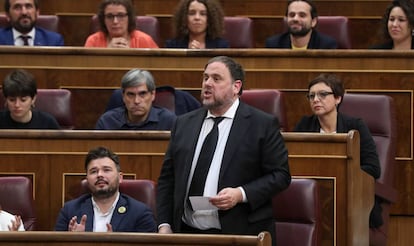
119, 16
320, 94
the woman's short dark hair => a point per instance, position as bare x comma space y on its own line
215, 18
129, 8
19, 83
332, 81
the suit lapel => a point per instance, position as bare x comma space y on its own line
193, 131
87, 208
121, 210
237, 132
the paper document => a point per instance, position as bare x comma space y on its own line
201, 203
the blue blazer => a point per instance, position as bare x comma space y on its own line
210, 43
129, 215
317, 41
43, 37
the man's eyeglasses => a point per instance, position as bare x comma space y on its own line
320, 94
119, 16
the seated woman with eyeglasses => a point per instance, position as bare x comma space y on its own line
325, 94
118, 28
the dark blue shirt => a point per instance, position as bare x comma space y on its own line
116, 119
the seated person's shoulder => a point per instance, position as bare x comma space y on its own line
325, 41
176, 43
278, 41
51, 38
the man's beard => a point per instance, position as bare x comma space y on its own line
26, 27
106, 193
299, 33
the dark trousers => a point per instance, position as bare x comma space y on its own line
189, 229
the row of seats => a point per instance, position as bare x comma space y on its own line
237, 30
377, 111
292, 218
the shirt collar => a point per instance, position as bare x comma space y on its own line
17, 34
112, 207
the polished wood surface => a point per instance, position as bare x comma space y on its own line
54, 161
121, 239
231, 7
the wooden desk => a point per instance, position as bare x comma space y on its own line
121, 239
231, 7
91, 74
54, 161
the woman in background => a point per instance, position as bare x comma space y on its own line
325, 94
198, 25
118, 28
398, 26
19, 90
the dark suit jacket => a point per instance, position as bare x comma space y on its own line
210, 43
369, 157
137, 217
43, 37
388, 45
317, 41
255, 158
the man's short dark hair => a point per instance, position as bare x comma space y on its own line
313, 11
7, 5
101, 152
236, 70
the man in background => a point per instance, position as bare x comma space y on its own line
301, 18
22, 16
138, 111
105, 209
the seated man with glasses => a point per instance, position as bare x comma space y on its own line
118, 28
137, 113
325, 94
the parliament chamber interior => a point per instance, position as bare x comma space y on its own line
85, 78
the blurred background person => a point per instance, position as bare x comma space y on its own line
302, 19
10, 222
22, 16
118, 27
137, 112
19, 90
397, 26
198, 24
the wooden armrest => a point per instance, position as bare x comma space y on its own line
386, 192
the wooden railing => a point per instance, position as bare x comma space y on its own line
54, 161
122, 239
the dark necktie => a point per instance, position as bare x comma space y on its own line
204, 160
25, 40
